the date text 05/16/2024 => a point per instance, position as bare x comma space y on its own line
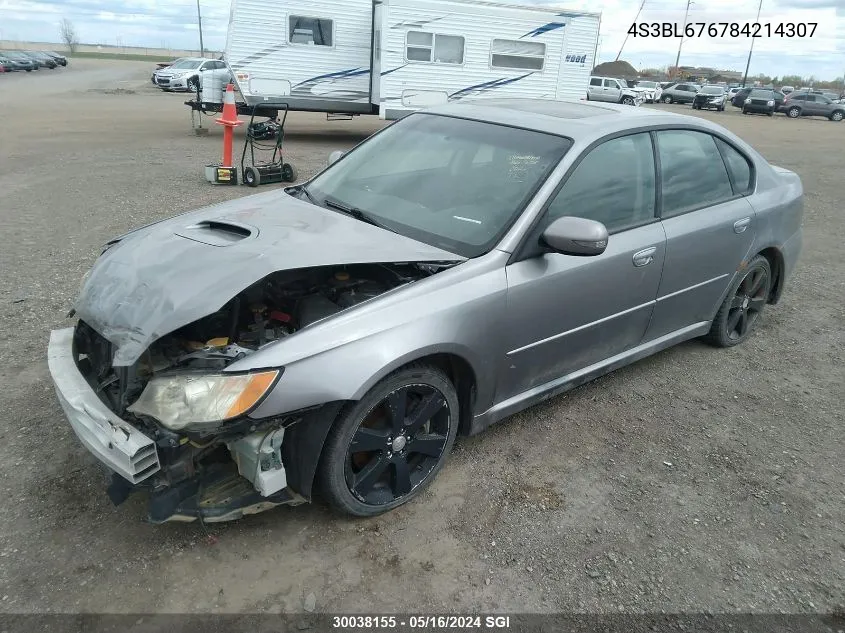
421, 622
724, 29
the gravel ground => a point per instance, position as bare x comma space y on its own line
696, 480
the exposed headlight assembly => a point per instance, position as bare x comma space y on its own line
202, 400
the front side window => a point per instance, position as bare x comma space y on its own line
611, 83
452, 183
517, 54
692, 171
614, 184
434, 47
310, 31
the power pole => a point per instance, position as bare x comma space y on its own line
751, 50
681, 43
199, 21
626, 34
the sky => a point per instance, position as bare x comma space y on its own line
173, 24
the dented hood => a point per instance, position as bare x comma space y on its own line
161, 277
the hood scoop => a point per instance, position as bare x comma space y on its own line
217, 232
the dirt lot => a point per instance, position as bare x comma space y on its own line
699, 479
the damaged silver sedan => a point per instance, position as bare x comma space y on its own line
332, 339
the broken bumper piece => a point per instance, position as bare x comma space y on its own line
116, 443
253, 482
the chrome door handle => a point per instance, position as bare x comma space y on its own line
741, 225
645, 256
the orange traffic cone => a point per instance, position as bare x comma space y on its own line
230, 121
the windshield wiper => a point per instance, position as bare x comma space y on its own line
308, 194
356, 213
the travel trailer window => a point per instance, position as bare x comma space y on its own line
310, 31
517, 54
434, 47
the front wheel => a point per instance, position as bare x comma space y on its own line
288, 172
793, 113
252, 177
743, 305
193, 84
387, 447
628, 101
837, 116
667, 99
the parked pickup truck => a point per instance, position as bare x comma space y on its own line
613, 91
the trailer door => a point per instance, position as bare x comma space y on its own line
375, 52
577, 61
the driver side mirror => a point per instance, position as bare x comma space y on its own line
335, 156
576, 236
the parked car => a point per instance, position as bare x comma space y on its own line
612, 90
650, 90
163, 65
337, 335
680, 93
185, 74
12, 65
60, 59
760, 101
732, 92
787, 89
807, 104
25, 62
43, 61
710, 97
739, 98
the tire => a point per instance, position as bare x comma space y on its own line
721, 108
742, 306
193, 84
793, 112
628, 101
667, 99
252, 177
397, 472
288, 172
837, 116
771, 113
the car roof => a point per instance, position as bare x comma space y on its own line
574, 119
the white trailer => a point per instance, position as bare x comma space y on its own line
391, 57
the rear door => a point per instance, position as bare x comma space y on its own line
594, 90
709, 224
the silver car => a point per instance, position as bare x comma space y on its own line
464, 263
186, 73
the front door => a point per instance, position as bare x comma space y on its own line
709, 226
568, 312
612, 90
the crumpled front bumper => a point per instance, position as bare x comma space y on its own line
121, 447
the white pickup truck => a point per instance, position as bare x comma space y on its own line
613, 91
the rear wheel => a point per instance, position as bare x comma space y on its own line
743, 305
793, 112
387, 447
252, 177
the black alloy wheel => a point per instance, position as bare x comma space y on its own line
743, 305
388, 446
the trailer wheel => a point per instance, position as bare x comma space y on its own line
252, 177
288, 173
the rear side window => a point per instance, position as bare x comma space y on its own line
595, 81
614, 184
517, 54
310, 31
692, 171
739, 169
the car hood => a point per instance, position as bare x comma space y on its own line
161, 277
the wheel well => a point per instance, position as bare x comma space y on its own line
775, 258
461, 374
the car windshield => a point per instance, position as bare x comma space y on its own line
712, 90
452, 183
187, 63
762, 94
